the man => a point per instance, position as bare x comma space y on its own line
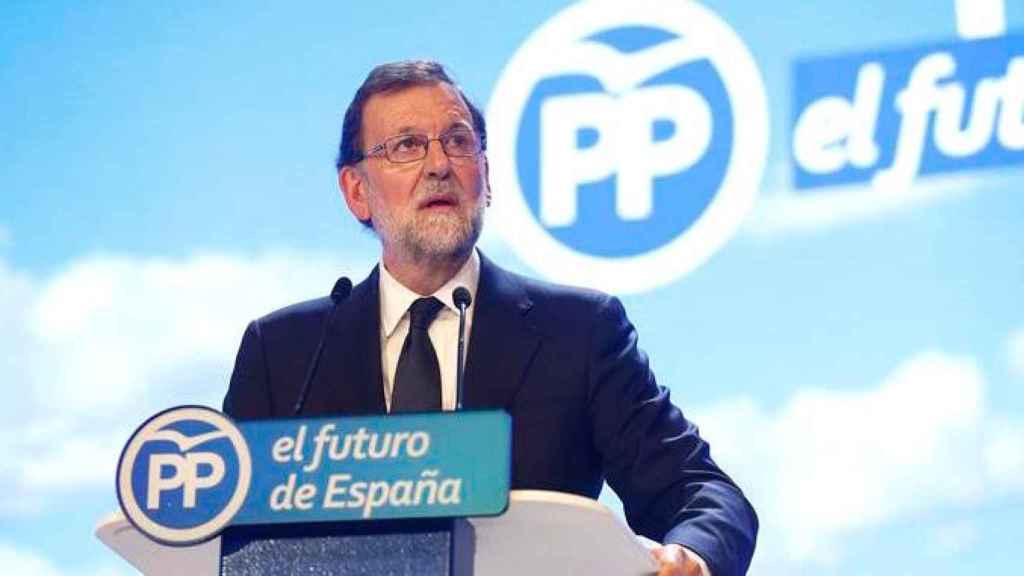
562, 361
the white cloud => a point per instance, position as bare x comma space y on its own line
94, 350
1015, 352
830, 463
980, 18
1003, 454
823, 209
19, 562
952, 538
132, 323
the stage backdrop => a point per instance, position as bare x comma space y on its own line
812, 211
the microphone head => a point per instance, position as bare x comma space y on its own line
461, 297
341, 289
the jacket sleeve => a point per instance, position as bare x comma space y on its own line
655, 459
248, 395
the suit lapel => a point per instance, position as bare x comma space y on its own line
502, 342
351, 371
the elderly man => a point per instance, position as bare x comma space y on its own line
562, 361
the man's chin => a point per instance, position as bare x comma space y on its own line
444, 248
445, 239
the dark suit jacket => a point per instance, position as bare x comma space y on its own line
564, 363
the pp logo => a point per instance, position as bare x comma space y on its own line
628, 141
184, 475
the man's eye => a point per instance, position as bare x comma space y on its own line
406, 144
460, 139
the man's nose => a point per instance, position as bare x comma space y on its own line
437, 163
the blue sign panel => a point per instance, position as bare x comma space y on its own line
189, 472
401, 466
888, 116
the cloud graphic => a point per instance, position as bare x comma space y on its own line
17, 562
108, 341
980, 18
831, 462
1015, 352
951, 539
785, 211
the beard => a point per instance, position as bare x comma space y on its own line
424, 235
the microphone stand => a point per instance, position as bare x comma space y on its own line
462, 300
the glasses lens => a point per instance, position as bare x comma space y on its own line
460, 143
406, 148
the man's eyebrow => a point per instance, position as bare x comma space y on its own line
458, 123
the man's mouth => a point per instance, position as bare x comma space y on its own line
439, 202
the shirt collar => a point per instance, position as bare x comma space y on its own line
395, 298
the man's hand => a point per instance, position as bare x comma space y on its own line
675, 560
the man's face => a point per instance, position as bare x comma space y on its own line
425, 209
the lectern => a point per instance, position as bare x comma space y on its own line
423, 495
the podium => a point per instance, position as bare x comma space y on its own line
402, 495
541, 533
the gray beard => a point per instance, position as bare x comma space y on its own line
433, 237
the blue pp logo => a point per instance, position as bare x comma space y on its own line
184, 475
629, 141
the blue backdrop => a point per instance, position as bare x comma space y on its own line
811, 210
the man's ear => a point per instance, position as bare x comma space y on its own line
487, 179
354, 188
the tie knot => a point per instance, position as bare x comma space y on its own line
423, 311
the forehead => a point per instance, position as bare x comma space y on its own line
430, 108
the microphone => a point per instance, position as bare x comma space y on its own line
342, 288
462, 300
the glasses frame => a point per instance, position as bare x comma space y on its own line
381, 149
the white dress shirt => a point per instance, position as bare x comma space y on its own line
395, 300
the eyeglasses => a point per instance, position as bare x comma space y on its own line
405, 148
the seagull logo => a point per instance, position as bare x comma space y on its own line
186, 443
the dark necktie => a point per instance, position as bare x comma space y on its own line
417, 386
